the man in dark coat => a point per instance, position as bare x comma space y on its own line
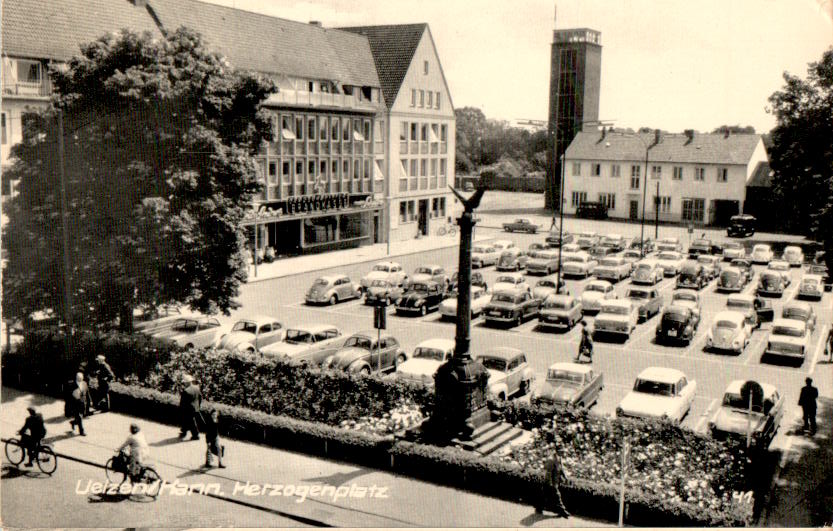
189, 407
31, 434
105, 375
551, 495
807, 401
585, 347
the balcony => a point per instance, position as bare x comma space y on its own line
321, 99
24, 89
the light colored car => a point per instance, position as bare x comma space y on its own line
647, 300
732, 250
801, 311
433, 272
509, 281
509, 372
647, 272
732, 420
788, 338
613, 268
306, 345
480, 297
512, 259
616, 317
559, 311
390, 271
793, 255
587, 240
483, 255
671, 262
542, 262
811, 287
521, 225
332, 289
381, 290
729, 331
579, 264
570, 248
689, 299
365, 352
771, 283
670, 244
502, 245
783, 268
595, 293
659, 392
756, 310
761, 253
573, 384
546, 287
425, 360
252, 334
711, 265
191, 332
614, 241
631, 256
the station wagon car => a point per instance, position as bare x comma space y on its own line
250, 335
511, 281
484, 255
755, 309
761, 253
521, 225
383, 291
689, 299
647, 300
801, 311
556, 239
431, 272
613, 268
731, 420
509, 372
732, 250
678, 324
425, 360
647, 272
572, 384
332, 289
512, 259
579, 264
659, 392
191, 332
711, 265
732, 279
421, 298
595, 293
542, 262
479, 299
617, 317
559, 311
670, 262
390, 271
365, 352
546, 287
511, 307
728, 332
811, 287
306, 345
788, 338
793, 255
771, 283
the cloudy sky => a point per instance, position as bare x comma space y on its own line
671, 64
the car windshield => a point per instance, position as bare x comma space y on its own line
601, 288
545, 284
684, 297
733, 245
358, 342
668, 256
760, 249
585, 241
508, 280
419, 286
779, 266
787, 331
644, 267
728, 325
729, 275
503, 297
615, 310
810, 282
379, 283
429, 354
245, 326
573, 258
565, 376
508, 254
320, 282
792, 312
770, 276
653, 388
706, 260
735, 401
423, 271
185, 325
557, 304
611, 262
482, 250
635, 294
738, 304
495, 364
298, 336
381, 267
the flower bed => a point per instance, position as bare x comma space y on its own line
402, 417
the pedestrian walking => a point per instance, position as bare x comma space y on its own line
76, 403
828, 347
550, 498
83, 368
585, 347
213, 448
104, 374
807, 401
189, 408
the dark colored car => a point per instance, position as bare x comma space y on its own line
771, 283
556, 239
692, 275
821, 270
704, 246
511, 307
521, 225
636, 243
365, 352
476, 280
592, 210
421, 298
741, 226
678, 324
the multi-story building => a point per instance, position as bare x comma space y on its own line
691, 177
419, 142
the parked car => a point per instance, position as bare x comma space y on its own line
670, 244
732, 420
591, 210
811, 287
509, 372
479, 299
631, 256
728, 332
771, 283
820, 270
745, 265
521, 225
513, 259
788, 338
692, 275
703, 246
425, 360
251, 334
483, 255
555, 238
648, 300
366, 352
511, 307
755, 309
711, 265
659, 392
741, 226
559, 311
535, 247
332, 289
383, 291
511, 281
617, 316
761, 253
793, 255
614, 241
191, 332
431, 272
421, 298
306, 345
587, 240
570, 248
390, 271
732, 279
502, 245
542, 262
647, 272
649, 246
689, 299
546, 287
670, 262
783, 268
678, 323
612, 268
476, 280
800, 311
573, 384
732, 250
595, 293
578, 264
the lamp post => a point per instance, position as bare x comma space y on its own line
645, 188
560, 226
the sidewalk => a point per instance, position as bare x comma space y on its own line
399, 501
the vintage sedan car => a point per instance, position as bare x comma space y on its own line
692, 275
587, 241
793, 255
572, 384
421, 298
252, 334
191, 332
509, 372
570, 248
595, 293
732, 420
788, 338
546, 287
647, 300
476, 280
670, 244
512, 259
745, 265
502, 245
678, 324
425, 360
728, 332
579, 264
755, 309
761, 253
613, 268
618, 317
659, 392
703, 246
732, 250
600, 251
479, 299
647, 272
559, 311
555, 238
521, 225
542, 262
649, 246
689, 299
365, 352
783, 268
771, 283
732, 279
631, 256
431, 272
511, 307
811, 287
535, 247
383, 291
483, 255
332, 289
820, 270
511, 281
306, 345
671, 262
711, 265
390, 271
614, 241
801, 311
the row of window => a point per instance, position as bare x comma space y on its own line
427, 99
313, 169
414, 174
721, 173
423, 132
408, 209
693, 208
333, 128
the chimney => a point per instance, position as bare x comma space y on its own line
657, 134
726, 133
316, 23
689, 134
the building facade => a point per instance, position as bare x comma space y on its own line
692, 178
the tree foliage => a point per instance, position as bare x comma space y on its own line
159, 139
734, 129
482, 142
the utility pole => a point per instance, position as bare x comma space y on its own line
625, 455
560, 227
64, 231
656, 216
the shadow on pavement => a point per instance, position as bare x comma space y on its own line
11, 472
9, 395
534, 518
108, 498
166, 442
339, 478
195, 472
56, 438
56, 419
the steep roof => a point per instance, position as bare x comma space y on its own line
761, 176
393, 48
54, 30
703, 148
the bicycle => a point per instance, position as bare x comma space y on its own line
451, 230
45, 456
117, 471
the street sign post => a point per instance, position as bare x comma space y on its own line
380, 322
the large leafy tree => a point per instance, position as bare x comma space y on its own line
159, 137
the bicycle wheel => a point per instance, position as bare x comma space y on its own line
14, 452
441, 231
114, 471
452, 231
153, 480
47, 460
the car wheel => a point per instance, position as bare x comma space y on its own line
365, 370
502, 395
520, 321
333, 300
423, 310
400, 359
189, 345
523, 388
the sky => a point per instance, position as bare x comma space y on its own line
668, 64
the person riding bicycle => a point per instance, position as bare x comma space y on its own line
31, 434
138, 453
585, 347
